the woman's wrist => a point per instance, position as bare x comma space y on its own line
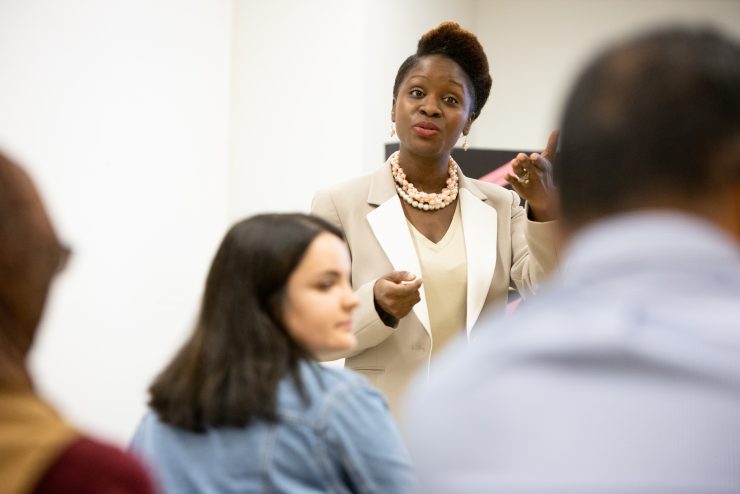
540, 213
386, 318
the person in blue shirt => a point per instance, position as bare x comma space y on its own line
623, 374
244, 406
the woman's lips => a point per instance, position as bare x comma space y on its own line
426, 129
345, 325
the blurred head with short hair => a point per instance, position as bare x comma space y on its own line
654, 122
30, 255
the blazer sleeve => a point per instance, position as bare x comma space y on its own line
368, 327
323, 206
533, 249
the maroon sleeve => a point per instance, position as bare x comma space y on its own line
88, 467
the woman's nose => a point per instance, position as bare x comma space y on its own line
429, 108
350, 300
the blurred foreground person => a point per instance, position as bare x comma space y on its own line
244, 407
624, 375
39, 451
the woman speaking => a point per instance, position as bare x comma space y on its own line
430, 247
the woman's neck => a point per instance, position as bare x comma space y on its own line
427, 174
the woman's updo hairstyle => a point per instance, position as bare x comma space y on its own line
463, 47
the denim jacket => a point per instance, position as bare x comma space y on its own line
342, 441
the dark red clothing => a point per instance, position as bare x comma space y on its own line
90, 467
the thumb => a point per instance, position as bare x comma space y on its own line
399, 276
552, 145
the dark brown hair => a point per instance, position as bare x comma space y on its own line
463, 47
227, 372
647, 119
29, 256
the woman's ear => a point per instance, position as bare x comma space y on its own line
468, 125
393, 110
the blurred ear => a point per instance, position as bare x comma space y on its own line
725, 195
721, 205
735, 207
393, 111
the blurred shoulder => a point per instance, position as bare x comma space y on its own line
91, 466
327, 388
326, 381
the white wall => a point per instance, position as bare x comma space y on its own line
150, 125
121, 111
313, 91
297, 90
535, 48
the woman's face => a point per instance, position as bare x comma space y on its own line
319, 299
432, 106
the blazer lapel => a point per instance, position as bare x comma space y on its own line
389, 226
480, 227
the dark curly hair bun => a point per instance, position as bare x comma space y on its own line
462, 46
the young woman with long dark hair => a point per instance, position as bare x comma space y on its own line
243, 406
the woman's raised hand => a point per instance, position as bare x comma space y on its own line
532, 179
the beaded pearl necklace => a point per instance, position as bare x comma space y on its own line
426, 201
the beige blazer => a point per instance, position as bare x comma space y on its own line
501, 243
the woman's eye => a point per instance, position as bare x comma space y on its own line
325, 286
450, 100
416, 93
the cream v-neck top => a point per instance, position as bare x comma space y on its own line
444, 272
